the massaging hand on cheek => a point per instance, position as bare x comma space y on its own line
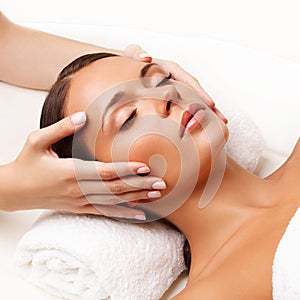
57, 188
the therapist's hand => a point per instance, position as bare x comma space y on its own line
38, 179
181, 75
178, 73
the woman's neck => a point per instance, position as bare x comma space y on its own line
238, 201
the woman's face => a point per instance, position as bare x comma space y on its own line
140, 115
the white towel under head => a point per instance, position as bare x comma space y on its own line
92, 257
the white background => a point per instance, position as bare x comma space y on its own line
271, 26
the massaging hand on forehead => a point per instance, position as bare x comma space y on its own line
38, 178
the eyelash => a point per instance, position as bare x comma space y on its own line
165, 80
169, 103
130, 119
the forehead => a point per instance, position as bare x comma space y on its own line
92, 80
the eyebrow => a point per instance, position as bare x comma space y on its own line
119, 95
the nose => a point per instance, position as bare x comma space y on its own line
166, 96
169, 92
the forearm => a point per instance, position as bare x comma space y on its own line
33, 59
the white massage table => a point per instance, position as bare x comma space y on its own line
265, 86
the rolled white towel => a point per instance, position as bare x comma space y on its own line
246, 142
286, 264
92, 257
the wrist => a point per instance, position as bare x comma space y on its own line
6, 187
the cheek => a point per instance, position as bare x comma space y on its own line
160, 154
103, 151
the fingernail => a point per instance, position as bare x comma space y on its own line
154, 194
140, 217
78, 118
221, 115
143, 170
212, 103
144, 55
159, 185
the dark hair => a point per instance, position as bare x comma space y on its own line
187, 254
53, 111
54, 105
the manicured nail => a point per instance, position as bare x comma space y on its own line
221, 115
160, 185
154, 194
144, 55
143, 170
78, 118
140, 217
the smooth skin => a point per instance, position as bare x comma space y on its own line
32, 59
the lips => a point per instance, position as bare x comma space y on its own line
191, 118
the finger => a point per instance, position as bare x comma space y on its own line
47, 136
113, 211
220, 115
53, 153
198, 88
123, 198
117, 187
181, 75
136, 52
187, 78
94, 170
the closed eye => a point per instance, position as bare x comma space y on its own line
129, 121
165, 80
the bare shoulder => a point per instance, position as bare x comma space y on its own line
296, 152
291, 164
287, 179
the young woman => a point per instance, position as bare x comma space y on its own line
234, 229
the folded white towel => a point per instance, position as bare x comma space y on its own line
286, 265
90, 257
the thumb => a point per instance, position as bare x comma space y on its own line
63, 128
